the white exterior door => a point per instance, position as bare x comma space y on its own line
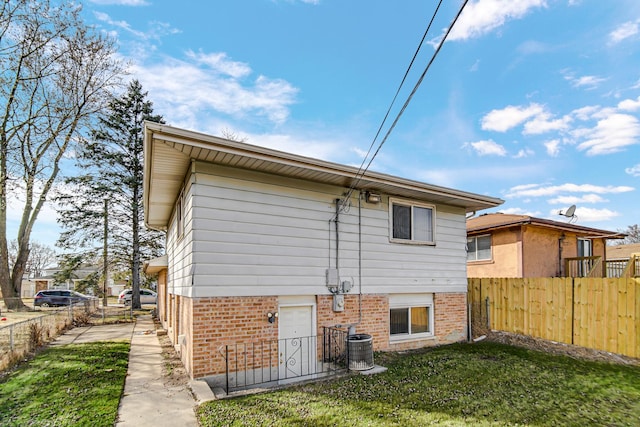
297, 348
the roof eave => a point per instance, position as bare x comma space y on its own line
179, 138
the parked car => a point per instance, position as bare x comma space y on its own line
58, 297
147, 296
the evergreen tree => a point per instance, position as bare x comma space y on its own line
113, 171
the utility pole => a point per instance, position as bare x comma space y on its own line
105, 260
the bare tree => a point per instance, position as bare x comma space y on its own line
41, 256
232, 136
57, 74
633, 235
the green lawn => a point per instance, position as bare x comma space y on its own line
72, 385
462, 384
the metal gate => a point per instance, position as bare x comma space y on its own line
276, 362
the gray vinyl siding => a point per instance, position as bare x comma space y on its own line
180, 248
249, 233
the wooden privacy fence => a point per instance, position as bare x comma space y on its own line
598, 313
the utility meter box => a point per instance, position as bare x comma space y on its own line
338, 302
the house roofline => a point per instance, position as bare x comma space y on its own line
179, 147
589, 232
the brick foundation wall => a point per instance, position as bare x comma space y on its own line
209, 324
450, 317
375, 316
229, 320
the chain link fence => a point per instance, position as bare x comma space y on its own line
22, 332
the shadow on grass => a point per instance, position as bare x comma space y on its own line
479, 384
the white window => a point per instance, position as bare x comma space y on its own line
479, 248
411, 222
410, 316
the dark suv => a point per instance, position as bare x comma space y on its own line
56, 297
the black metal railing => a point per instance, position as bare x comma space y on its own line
274, 362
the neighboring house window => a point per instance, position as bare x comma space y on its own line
479, 248
410, 316
411, 222
584, 248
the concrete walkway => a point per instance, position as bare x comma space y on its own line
85, 334
147, 399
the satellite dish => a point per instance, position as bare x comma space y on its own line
570, 213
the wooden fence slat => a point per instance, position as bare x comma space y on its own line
622, 318
600, 313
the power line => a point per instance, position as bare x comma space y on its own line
360, 174
415, 55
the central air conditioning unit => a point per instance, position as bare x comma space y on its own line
360, 352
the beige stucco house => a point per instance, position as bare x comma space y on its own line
504, 245
265, 248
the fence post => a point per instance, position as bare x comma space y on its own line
469, 333
226, 364
488, 318
11, 337
573, 308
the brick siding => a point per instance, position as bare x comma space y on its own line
209, 324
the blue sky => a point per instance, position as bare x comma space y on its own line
536, 102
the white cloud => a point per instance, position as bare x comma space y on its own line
634, 170
611, 135
213, 82
594, 215
586, 113
624, 31
103, 17
525, 152
314, 147
553, 147
587, 82
483, 16
610, 130
155, 31
487, 148
629, 104
510, 117
543, 123
518, 211
537, 190
219, 62
573, 200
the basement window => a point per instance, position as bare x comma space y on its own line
410, 316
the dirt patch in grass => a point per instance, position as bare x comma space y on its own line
173, 371
557, 348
